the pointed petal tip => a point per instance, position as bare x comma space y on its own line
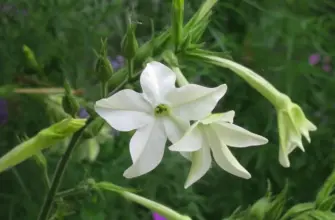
130, 173
223, 89
187, 184
285, 164
247, 176
264, 140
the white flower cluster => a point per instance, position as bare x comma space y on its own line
164, 112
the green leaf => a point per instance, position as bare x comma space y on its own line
196, 26
321, 215
277, 205
297, 210
177, 22
327, 204
326, 190
258, 210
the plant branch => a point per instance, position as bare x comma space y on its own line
58, 176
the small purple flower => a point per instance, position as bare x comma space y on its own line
327, 68
3, 111
120, 59
118, 62
115, 64
314, 59
83, 113
156, 216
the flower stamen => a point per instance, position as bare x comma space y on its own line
161, 110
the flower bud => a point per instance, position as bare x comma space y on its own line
129, 43
45, 138
69, 102
103, 68
31, 61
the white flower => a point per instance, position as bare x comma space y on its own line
292, 124
162, 111
214, 134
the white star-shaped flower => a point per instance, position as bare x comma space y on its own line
161, 112
214, 134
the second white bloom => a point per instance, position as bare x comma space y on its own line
214, 134
161, 112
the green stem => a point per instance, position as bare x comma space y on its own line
278, 99
58, 176
181, 79
104, 89
70, 192
152, 205
130, 64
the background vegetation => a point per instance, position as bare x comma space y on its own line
274, 38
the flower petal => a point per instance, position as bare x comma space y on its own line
236, 136
186, 155
146, 149
201, 162
219, 117
156, 81
289, 138
301, 123
222, 155
175, 128
191, 141
194, 102
124, 111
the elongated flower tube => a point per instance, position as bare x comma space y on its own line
214, 134
292, 122
163, 210
161, 112
45, 138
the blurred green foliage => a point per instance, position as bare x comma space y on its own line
274, 38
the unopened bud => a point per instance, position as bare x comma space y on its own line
129, 43
69, 102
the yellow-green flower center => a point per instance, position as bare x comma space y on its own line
161, 110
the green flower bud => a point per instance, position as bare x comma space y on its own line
45, 138
129, 43
31, 61
69, 102
103, 68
